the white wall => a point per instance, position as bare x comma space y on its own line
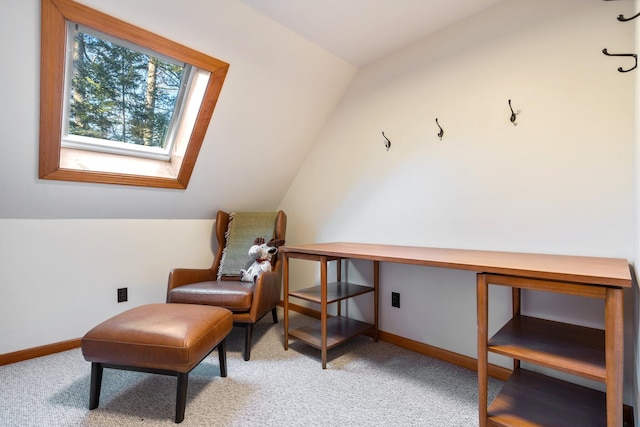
560, 181
60, 277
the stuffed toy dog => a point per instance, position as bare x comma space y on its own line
262, 253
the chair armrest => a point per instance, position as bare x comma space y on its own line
185, 276
266, 294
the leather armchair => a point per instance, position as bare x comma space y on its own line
248, 301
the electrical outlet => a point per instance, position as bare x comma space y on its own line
122, 294
395, 299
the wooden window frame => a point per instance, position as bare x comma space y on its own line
55, 15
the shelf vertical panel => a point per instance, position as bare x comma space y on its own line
482, 301
614, 354
285, 285
323, 309
376, 292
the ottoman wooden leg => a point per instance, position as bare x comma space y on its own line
181, 396
96, 384
222, 357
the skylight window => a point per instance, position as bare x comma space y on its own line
119, 104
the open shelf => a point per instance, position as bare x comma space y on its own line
569, 348
336, 291
530, 399
339, 329
330, 331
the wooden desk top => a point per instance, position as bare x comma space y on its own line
580, 269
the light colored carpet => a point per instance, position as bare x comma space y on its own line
365, 384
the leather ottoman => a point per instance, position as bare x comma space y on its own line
168, 339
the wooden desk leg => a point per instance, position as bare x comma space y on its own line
323, 310
285, 298
516, 298
376, 288
482, 301
614, 336
339, 279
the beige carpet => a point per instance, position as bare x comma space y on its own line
365, 384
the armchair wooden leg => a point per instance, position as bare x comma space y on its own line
247, 342
274, 314
222, 357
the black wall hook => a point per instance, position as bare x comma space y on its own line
513, 114
388, 143
621, 18
635, 57
441, 133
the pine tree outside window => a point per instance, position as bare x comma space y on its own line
120, 98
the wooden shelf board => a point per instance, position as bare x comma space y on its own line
569, 348
530, 399
339, 329
336, 291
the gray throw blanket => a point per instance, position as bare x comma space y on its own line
244, 227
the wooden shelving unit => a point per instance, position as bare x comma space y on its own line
339, 330
533, 399
336, 291
331, 331
569, 348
